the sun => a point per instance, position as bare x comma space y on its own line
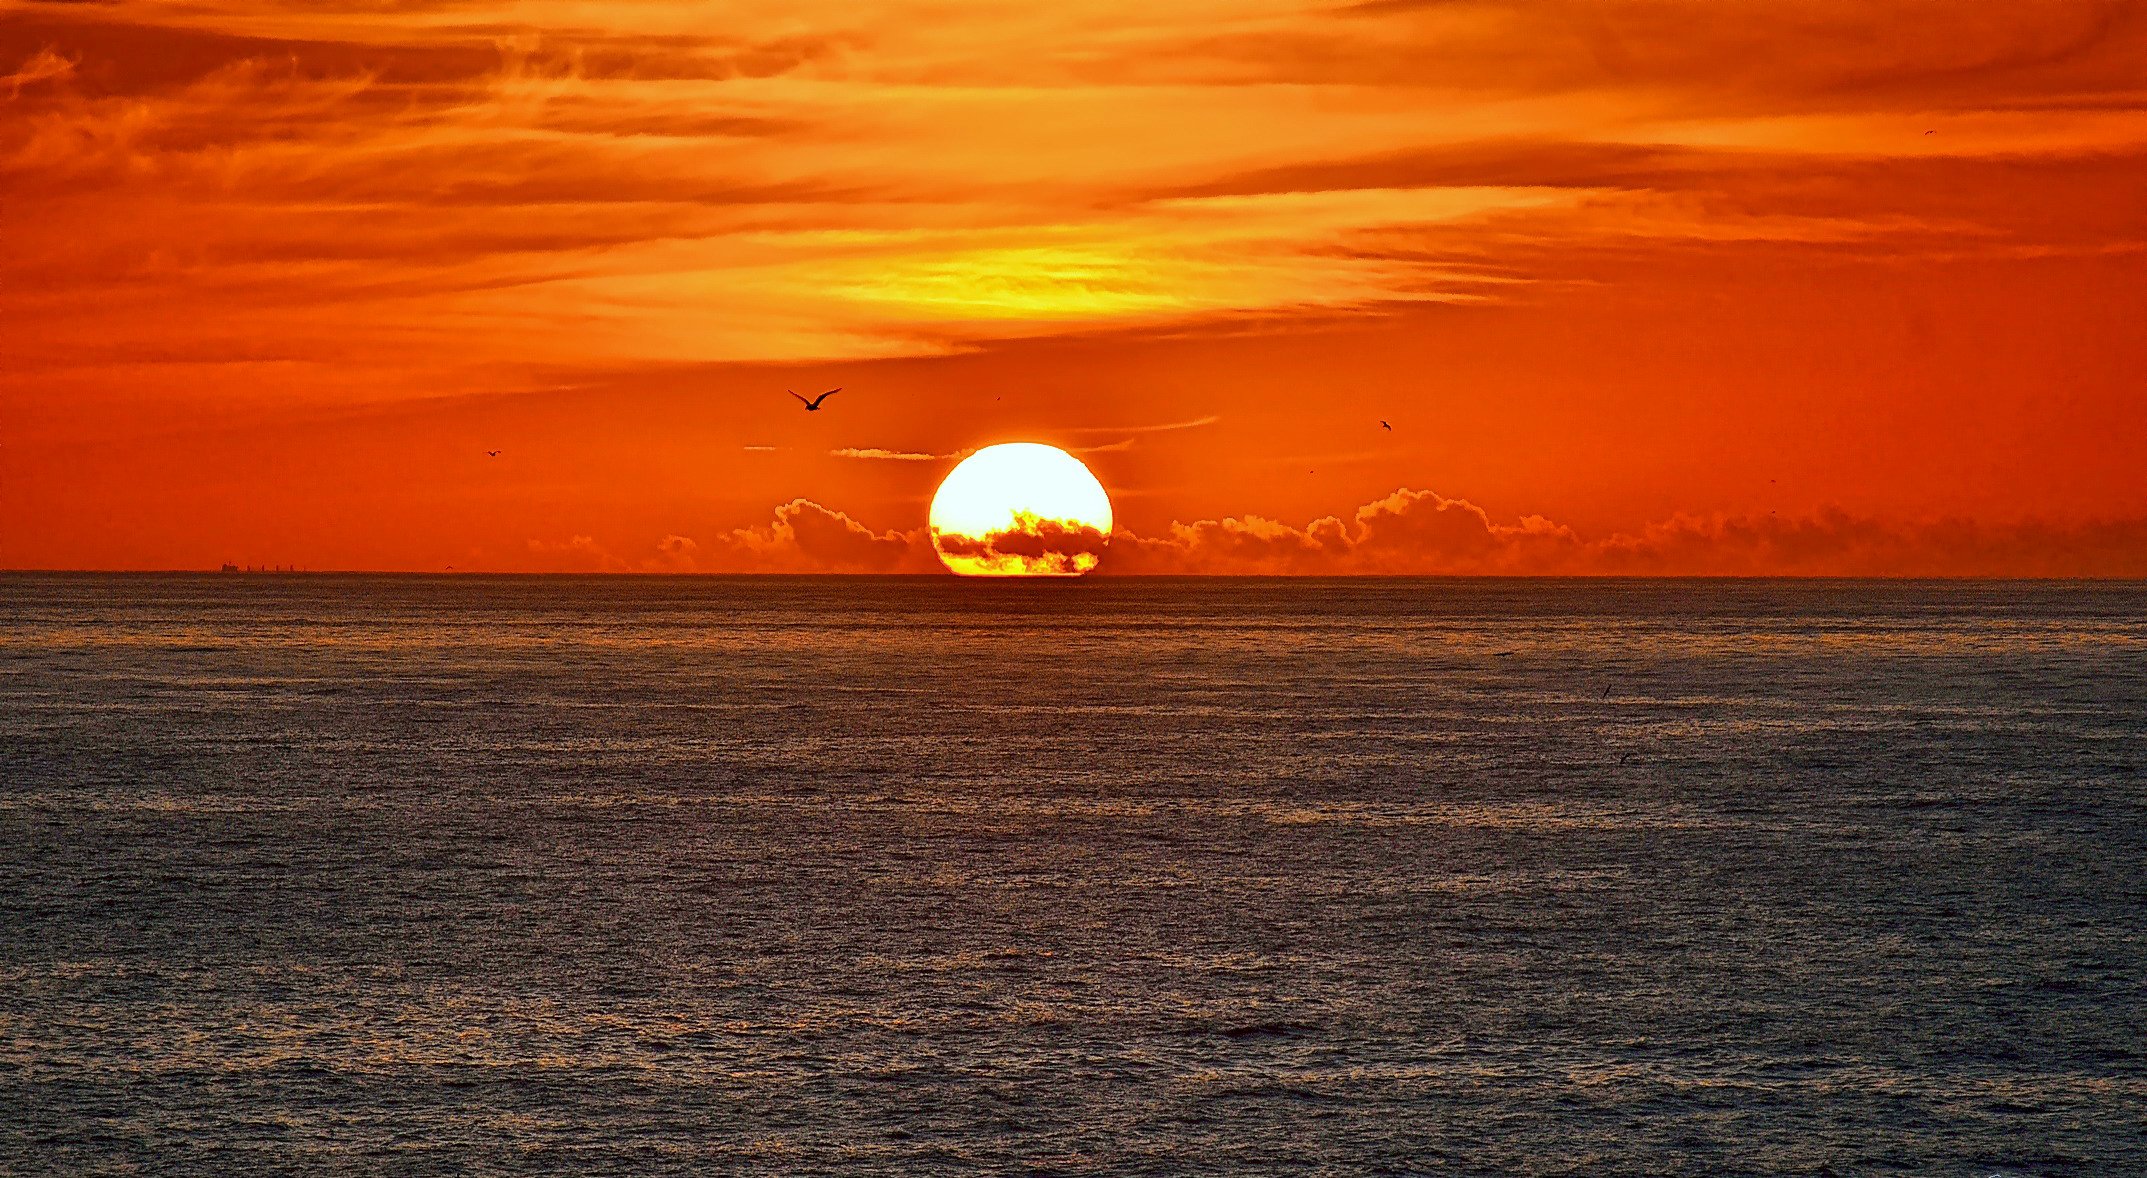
1020, 509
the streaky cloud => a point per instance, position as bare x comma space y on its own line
874, 452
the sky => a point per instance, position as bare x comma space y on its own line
1821, 287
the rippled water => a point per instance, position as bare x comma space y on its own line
415, 875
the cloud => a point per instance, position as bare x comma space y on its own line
1130, 435
1411, 533
1117, 447
1161, 427
43, 66
1422, 533
888, 455
1034, 544
576, 554
515, 183
678, 554
802, 537
1405, 532
805, 537
1836, 543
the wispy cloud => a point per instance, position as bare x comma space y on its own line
492, 182
1128, 436
1119, 446
43, 66
1161, 427
875, 452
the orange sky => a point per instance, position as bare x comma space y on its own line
1842, 286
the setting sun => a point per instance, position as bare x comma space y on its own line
1021, 509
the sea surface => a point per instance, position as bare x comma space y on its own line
461, 875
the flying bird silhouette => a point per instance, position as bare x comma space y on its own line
1383, 425
813, 406
491, 453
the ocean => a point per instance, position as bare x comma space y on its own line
467, 875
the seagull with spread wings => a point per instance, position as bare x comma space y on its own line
813, 406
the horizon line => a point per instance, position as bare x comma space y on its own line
1099, 575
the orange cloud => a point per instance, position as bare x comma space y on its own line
576, 554
1406, 532
886, 455
1419, 533
44, 66
1837, 544
808, 538
830, 180
1043, 546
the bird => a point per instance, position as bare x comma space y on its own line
813, 406
491, 453
1383, 425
